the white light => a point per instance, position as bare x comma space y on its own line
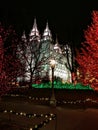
41, 114
35, 126
29, 116
50, 118
51, 114
29, 97
44, 124
5, 111
46, 116
24, 114
34, 114
52, 63
21, 113
10, 111
36, 98
42, 98
46, 99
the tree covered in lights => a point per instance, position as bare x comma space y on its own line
10, 65
88, 57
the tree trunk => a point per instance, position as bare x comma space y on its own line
30, 84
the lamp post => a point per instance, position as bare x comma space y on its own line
52, 99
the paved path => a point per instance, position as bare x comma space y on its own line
67, 119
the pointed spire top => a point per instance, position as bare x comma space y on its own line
56, 46
47, 33
47, 27
34, 32
35, 24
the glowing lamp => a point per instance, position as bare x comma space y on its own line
52, 63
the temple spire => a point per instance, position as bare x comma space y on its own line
34, 34
47, 33
56, 46
35, 26
47, 27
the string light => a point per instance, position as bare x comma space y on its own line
11, 111
49, 117
58, 102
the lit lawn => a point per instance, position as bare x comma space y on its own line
59, 85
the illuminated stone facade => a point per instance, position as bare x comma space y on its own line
50, 50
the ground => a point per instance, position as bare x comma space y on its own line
22, 113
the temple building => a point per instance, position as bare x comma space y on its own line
49, 49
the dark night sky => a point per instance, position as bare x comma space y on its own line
67, 19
